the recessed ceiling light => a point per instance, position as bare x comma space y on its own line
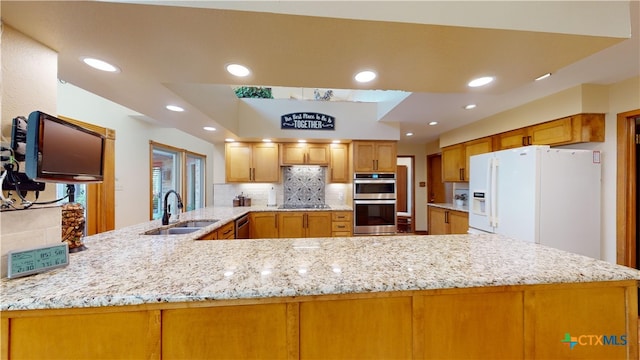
266, 140
365, 76
470, 106
433, 123
543, 76
302, 141
209, 128
100, 64
409, 134
238, 70
480, 81
175, 108
335, 141
229, 140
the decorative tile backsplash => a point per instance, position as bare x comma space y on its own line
304, 185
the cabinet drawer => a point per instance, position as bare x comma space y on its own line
227, 231
341, 234
341, 216
341, 226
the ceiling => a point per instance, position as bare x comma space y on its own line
174, 54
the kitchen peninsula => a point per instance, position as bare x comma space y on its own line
452, 296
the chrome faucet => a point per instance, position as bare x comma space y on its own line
166, 214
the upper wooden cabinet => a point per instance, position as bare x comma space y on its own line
339, 164
569, 130
304, 154
252, 162
455, 158
374, 156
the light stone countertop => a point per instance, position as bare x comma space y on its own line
450, 206
123, 267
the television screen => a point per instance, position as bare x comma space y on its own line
59, 151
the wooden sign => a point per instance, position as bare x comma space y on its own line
307, 121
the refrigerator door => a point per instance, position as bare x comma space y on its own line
479, 192
570, 201
516, 198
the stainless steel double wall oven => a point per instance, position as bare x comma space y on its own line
374, 203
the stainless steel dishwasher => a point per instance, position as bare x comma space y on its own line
242, 227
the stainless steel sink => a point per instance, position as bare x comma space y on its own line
183, 227
196, 223
172, 231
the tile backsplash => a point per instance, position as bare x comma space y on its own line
304, 185
332, 193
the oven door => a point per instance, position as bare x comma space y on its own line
374, 189
374, 217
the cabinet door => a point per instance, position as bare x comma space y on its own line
227, 231
513, 139
552, 132
263, 225
339, 168
458, 222
265, 163
318, 224
291, 224
475, 147
238, 166
386, 157
293, 154
317, 154
436, 221
363, 156
210, 236
452, 163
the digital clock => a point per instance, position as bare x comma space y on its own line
37, 260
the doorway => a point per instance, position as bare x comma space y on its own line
405, 193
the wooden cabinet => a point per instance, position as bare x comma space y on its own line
263, 225
304, 154
443, 221
339, 163
374, 156
569, 130
252, 162
455, 158
225, 232
341, 223
298, 224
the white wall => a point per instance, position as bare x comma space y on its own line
132, 149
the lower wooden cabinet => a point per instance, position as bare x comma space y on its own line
225, 232
263, 225
443, 221
297, 224
341, 223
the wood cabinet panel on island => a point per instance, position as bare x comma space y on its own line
304, 154
252, 162
374, 156
443, 221
225, 232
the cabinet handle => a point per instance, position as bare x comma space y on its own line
461, 173
446, 217
341, 226
524, 141
304, 221
276, 220
528, 140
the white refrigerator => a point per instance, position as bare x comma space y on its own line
538, 194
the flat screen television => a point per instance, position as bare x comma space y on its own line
59, 151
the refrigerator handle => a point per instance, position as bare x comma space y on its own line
493, 221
